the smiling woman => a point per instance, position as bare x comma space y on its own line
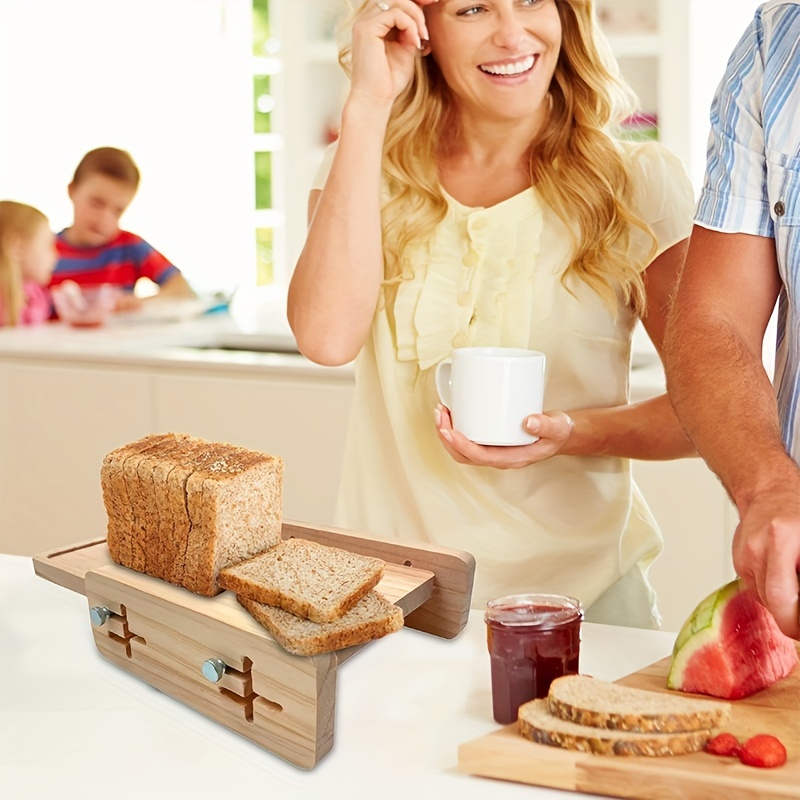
480, 196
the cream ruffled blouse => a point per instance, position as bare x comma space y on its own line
492, 276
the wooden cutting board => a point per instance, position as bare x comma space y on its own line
506, 755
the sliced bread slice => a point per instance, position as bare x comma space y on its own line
371, 618
234, 500
311, 580
589, 701
539, 725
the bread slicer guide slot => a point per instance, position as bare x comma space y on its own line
111, 621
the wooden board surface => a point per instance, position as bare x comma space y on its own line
438, 603
506, 755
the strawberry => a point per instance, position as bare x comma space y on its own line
763, 751
723, 744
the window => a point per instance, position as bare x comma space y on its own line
268, 142
297, 95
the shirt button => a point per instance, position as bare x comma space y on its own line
464, 299
470, 259
780, 208
479, 224
460, 340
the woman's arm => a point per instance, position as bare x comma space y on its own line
648, 430
336, 282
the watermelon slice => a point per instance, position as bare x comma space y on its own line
730, 647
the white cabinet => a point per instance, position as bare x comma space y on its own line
303, 420
58, 421
697, 522
56, 424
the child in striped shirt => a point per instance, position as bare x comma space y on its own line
94, 250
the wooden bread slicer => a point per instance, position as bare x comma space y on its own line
210, 654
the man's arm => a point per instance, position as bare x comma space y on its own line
723, 397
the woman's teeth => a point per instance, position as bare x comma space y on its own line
514, 68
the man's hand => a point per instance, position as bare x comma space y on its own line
766, 551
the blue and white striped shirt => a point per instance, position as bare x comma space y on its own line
752, 182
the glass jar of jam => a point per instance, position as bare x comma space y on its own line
533, 639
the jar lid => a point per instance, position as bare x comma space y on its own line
534, 610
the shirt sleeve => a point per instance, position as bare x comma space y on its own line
734, 197
155, 266
662, 197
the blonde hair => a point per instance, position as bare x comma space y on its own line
576, 162
17, 220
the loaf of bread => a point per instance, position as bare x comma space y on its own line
588, 701
539, 725
371, 618
182, 508
311, 580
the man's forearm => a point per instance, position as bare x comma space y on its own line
726, 402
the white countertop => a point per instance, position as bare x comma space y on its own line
208, 341
76, 726
212, 342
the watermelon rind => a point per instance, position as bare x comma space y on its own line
701, 628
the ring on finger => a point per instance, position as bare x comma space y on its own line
382, 6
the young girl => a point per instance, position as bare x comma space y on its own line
27, 259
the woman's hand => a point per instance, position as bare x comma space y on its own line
553, 429
386, 44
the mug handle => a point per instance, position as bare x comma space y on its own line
443, 381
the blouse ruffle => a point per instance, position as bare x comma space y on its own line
474, 289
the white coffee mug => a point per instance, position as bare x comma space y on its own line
491, 390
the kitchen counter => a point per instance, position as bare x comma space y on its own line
217, 342
75, 726
213, 341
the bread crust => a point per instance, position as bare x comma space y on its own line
372, 618
119, 508
588, 701
285, 576
537, 724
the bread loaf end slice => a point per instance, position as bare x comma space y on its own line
122, 500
